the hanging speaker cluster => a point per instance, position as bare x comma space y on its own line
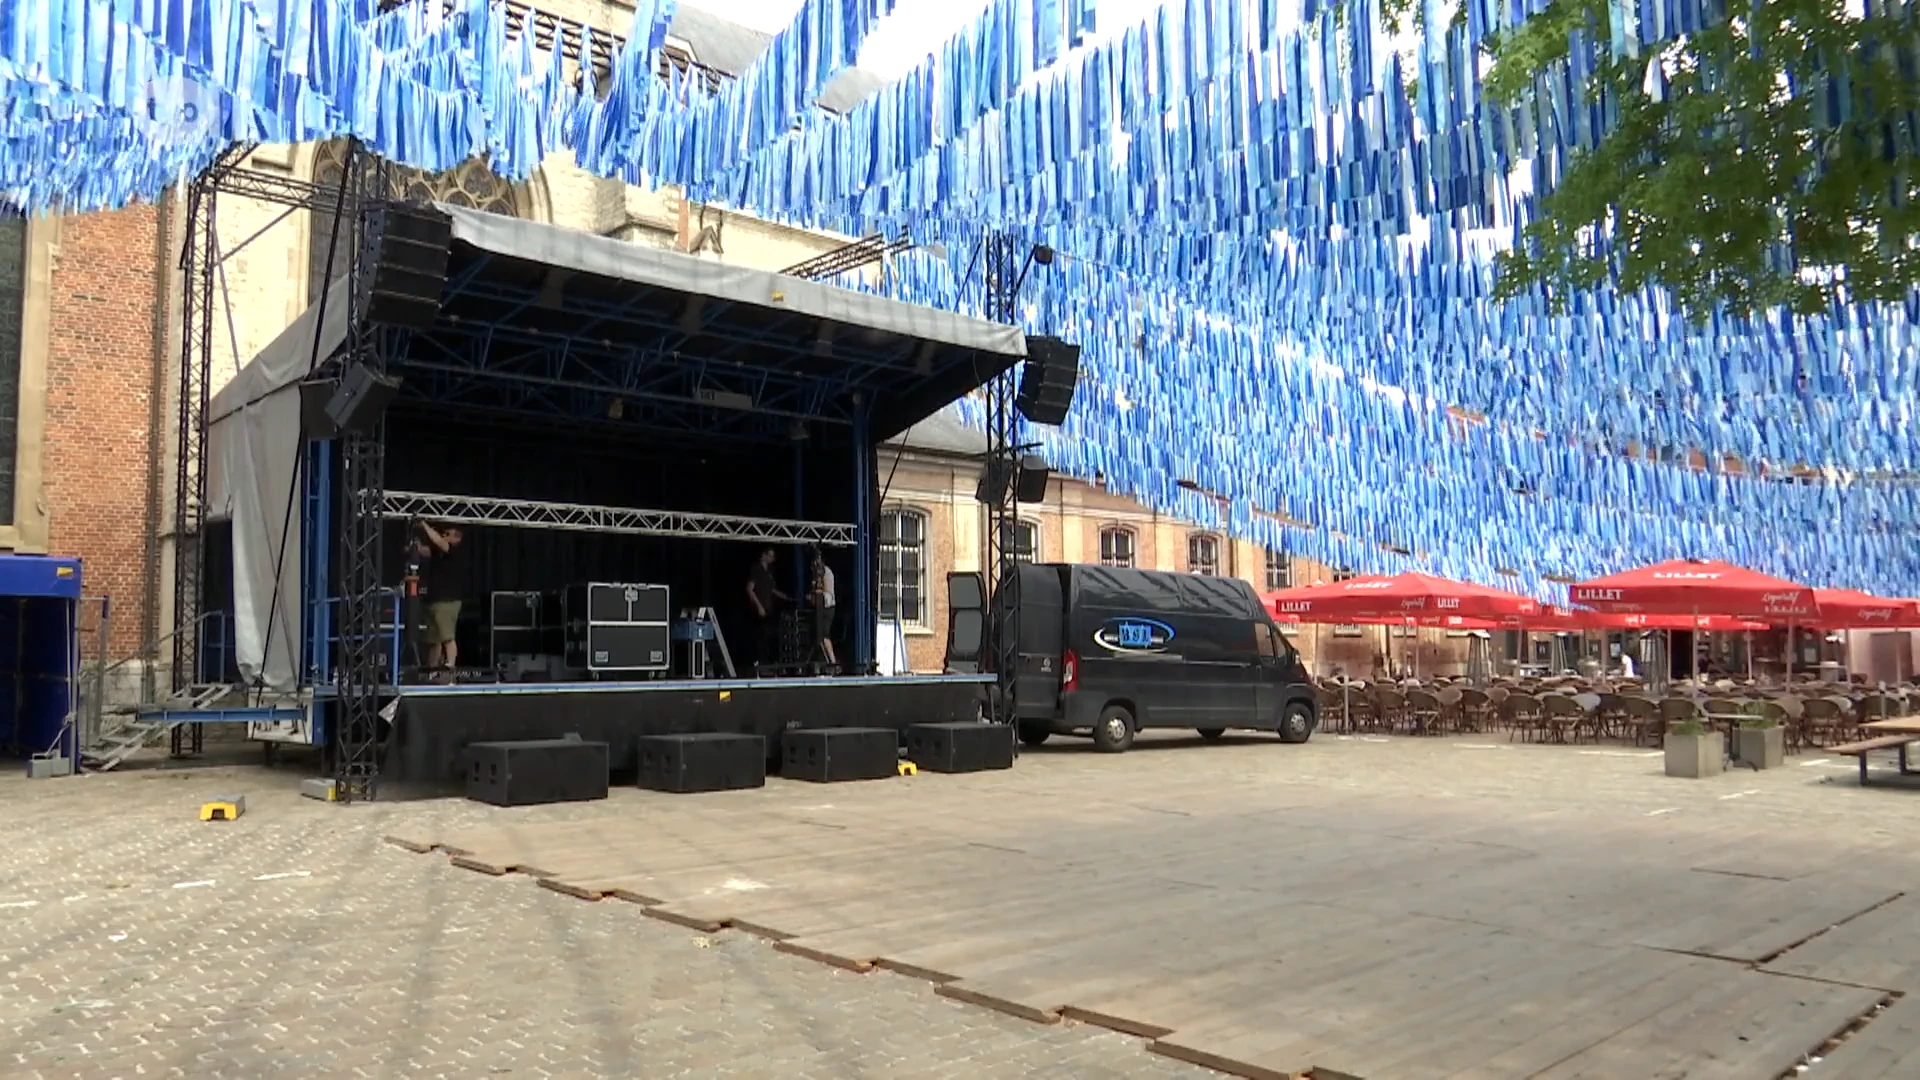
1029, 481
352, 404
404, 265
1048, 380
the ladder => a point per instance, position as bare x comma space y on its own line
149, 724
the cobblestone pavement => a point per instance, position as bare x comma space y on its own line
138, 941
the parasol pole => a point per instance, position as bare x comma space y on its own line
1693, 648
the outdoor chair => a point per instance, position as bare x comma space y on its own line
1878, 707
1423, 712
1523, 714
1476, 710
1679, 710
1389, 709
1772, 710
1562, 718
1828, 721
1644, 721
1610, 717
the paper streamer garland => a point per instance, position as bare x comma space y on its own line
1282, 271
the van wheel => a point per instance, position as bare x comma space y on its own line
1033, 734
1212, 734
1296, 724
1113, 732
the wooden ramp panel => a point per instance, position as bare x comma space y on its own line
1750, 1026
1887, 1048
1366, 1019
1880, 949
1755, 918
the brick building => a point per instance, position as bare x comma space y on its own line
90, 347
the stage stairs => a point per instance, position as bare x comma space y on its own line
145, 725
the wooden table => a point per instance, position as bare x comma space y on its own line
1905, 725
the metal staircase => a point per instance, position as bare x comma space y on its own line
147, 725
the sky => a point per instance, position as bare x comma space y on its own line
916, 27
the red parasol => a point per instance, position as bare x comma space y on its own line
1410, 595
1696, 587
1842, 609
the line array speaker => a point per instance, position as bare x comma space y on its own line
406, 264
315, 396
1034, 475
1048, 380
994, 478
966, 622
361, 399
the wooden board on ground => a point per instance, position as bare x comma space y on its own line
1887, 1048
1880, 948
1271, 928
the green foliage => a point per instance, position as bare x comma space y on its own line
1781, 166
1686, 727
1760, 722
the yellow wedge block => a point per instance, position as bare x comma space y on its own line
224, 809
908, 768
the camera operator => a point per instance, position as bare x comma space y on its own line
445, 585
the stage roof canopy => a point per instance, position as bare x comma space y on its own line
538, 318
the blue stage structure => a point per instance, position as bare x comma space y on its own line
589, 410
39, 655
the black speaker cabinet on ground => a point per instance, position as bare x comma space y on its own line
960, 747
829, 755
1048, 380
405, 264
536, 771
716, 761
362, 397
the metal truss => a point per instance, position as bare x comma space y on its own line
1006, 260
849, 257
482, 363
360, 670
199, 270
573, 517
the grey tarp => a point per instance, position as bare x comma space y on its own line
253, 438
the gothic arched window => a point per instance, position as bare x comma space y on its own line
471, 184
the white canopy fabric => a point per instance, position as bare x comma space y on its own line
253, 437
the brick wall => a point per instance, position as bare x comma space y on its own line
99, 385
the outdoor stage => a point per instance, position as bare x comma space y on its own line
433, 725
587, 411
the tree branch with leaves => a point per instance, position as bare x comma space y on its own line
1766, 159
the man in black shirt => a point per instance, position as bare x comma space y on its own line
761, 595
445, 585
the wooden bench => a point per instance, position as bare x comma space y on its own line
1885, 742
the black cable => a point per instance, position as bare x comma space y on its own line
300, 443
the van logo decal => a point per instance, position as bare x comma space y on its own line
1133, 635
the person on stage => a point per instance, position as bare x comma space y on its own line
762, 594
445, 585
823, 606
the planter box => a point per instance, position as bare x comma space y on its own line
1695, 756
1762, 748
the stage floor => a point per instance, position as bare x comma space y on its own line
425, 748
1386, 910
430, 690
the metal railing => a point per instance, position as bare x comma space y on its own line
90, 705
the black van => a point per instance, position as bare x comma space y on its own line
1109, 651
